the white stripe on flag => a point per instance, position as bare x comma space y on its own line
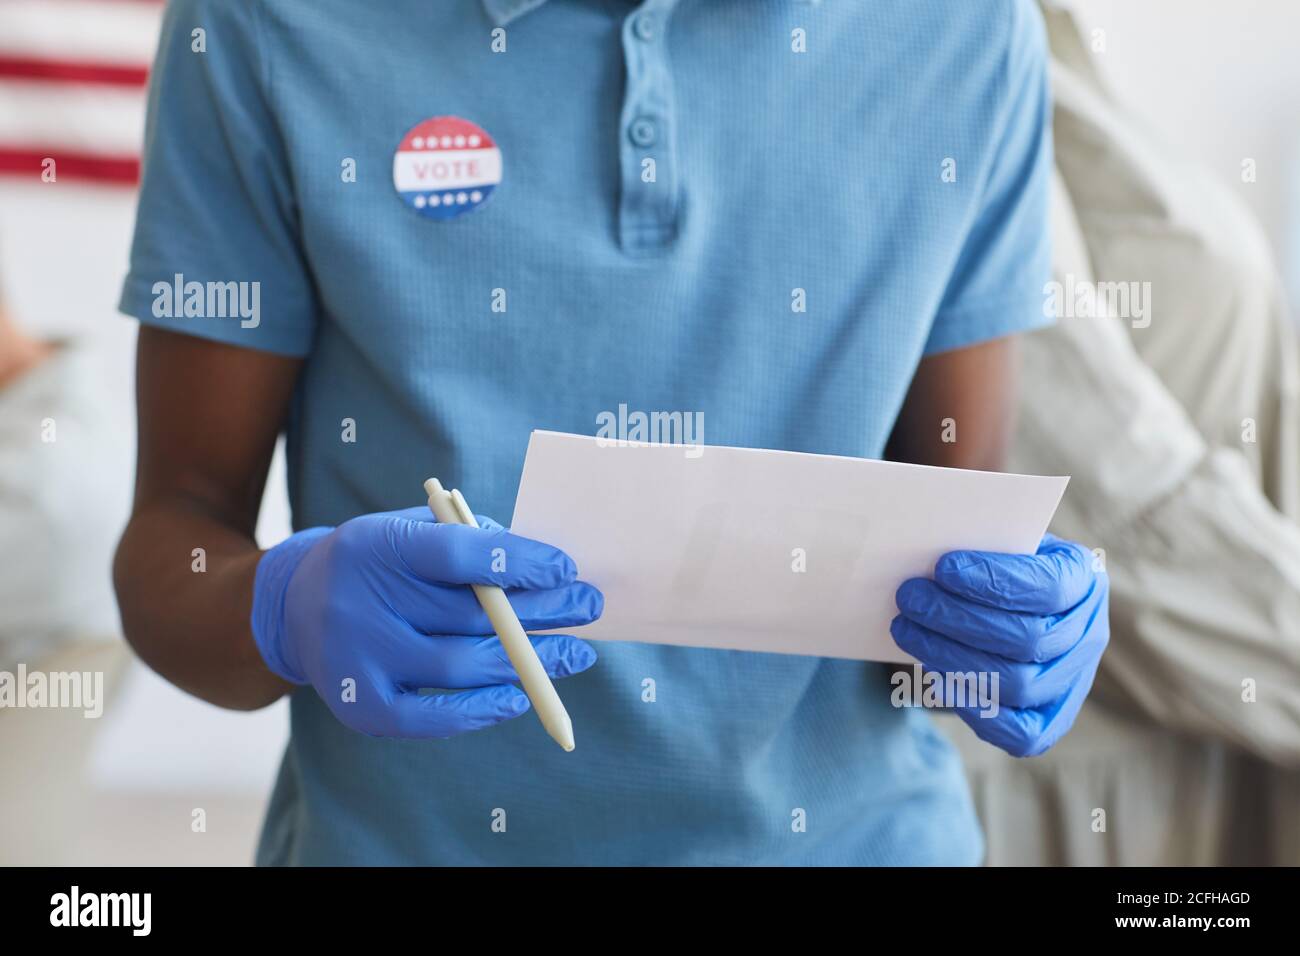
97, 31
95, 119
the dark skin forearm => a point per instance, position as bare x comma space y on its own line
192, 628
209, 416
975, 387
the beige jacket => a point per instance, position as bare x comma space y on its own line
1179, 423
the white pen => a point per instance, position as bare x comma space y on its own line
449, 507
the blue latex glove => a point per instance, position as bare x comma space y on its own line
381, 600
1040, 622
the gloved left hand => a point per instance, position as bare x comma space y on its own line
1039, 622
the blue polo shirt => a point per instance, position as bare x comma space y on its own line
760, 210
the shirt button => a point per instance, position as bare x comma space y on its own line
644, 26
643, 132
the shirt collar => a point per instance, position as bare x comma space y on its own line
503, 11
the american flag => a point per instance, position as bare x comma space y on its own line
72, 86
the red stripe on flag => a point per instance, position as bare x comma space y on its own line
69, 71
122, 170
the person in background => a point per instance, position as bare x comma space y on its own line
39, 603
73, 91
1179, 422
19, 351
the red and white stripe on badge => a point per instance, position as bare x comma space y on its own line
445, 167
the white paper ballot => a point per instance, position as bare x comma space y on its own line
758, 550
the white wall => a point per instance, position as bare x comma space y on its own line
1219, 79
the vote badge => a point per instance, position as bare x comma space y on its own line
445, 167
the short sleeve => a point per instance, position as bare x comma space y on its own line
217, 252
996, 287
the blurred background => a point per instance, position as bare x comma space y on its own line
1212, 84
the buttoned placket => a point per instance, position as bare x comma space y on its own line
648, 202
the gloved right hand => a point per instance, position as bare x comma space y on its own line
374, 610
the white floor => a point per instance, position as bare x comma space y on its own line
124, 789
